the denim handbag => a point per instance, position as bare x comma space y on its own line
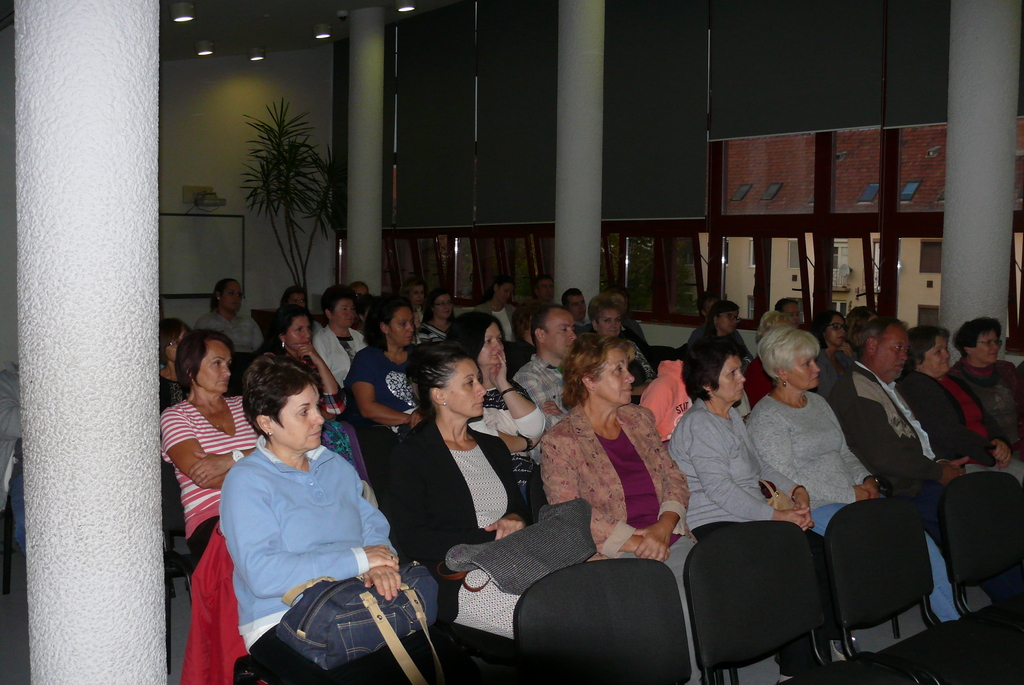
336, 621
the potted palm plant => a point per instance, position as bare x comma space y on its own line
300, 191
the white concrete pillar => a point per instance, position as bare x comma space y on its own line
579, 145
365, 144
87, 110
981, 142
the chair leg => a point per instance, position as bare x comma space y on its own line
8, 544
734, 676
895, 628
169, 585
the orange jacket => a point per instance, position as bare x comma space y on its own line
666, 397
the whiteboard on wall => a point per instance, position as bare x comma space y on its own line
197, 250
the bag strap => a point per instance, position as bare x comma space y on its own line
461, 575
396, 646
293, 594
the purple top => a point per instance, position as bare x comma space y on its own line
642, 505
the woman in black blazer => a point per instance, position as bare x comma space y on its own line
451, 485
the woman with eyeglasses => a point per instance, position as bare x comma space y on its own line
171, 333
829, 328
437, 316
993, 380
723, 318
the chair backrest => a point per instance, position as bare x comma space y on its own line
170, 501
376, 443
538, 498
611, 621
751, 589
982, 519
877, 560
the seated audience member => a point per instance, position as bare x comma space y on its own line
359, 288
206, 434
519, 351
364, 303
887, 438
437, 316
496, 303
856, 319
666, 397
508, 411
609, 452
290, 335
635, 330
606, 314
554, 334
415, 290
791, 308
795, 432
279, 535
712, 447
829, 328
949, 410
377, 378
993, 380
704, 304
338, 343
452, 485
171, 333
759, 383
723, 318
544, 288
573, 300
225, 317
294, 294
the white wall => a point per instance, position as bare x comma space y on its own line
202, 142
8, 215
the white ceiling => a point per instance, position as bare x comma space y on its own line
234, 26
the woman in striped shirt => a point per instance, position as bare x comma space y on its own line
206, 434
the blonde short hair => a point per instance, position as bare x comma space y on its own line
588, 357
783, 347
770, 320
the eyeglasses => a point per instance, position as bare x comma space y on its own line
732, 316
995, 341
442, 303
838, 327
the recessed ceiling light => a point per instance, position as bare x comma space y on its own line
405, 5
256, 54
204, 47
321, 31
183, 11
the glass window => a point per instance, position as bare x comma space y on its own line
793, 248
640, 272
609, 253
463, 269
927, 316
849, 274
782, 165
682, 280
917, 289
784, 278
750, 308
427, 249
737, 276
486, 261
342, 260
922, 169
931, 256
515, 252
856, 170
545, 254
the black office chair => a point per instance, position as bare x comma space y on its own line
8, 544
751, 589
878, 567
982, 519
377, 443
535, 488
614, 621
176, 565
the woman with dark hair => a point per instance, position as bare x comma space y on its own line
338, 343
206, 434
452, 485
414, 289
291, 334
948, 408
496, 303
377, 379
829, 327
606, 313
437, 316
994, 381
508, 412
712, 447
723, 318
171, 333
294, 294
609, 452
280, 535
856, 319
225, 317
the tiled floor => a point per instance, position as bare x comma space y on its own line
14, 657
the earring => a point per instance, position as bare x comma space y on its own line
444, 404
784, 384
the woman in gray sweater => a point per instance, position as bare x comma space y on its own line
796, 432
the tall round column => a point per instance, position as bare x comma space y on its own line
981, 142
87, 110
579, 145
365, 144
